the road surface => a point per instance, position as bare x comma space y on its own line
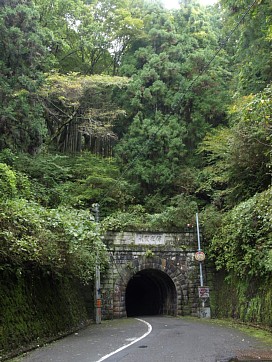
150, 339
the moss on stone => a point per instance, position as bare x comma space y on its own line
248, 300
35, 306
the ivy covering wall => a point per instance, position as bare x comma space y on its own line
248, 301
37, 307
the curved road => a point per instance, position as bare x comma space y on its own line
151, 339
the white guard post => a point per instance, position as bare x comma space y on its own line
203, 292
97, 292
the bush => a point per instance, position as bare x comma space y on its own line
243, 243
57, 240
173, 218
7, 182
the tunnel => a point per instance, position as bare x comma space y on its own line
150, 292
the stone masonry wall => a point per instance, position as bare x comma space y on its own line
171, 253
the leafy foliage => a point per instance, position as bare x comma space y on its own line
7, 182
57, 240
22, 51
243, 243
87, 37
76, 181
250, 47
192, 126
168, 115
238, 158
61, 239
46, 174
13, 183
175, 217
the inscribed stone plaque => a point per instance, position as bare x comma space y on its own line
149, 239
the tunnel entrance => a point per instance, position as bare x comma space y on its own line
151, 292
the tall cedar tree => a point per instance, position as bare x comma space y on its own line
173, 102
22, 59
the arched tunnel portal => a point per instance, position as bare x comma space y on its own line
150, 274
150, 292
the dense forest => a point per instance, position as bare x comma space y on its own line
154, 114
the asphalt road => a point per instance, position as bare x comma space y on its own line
151, 339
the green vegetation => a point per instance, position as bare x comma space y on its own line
243, 244
153, 114
56, 240
246, 299
37, 308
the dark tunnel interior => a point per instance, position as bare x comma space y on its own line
150, 292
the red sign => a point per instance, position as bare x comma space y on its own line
200, 256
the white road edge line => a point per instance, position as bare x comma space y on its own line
127, 345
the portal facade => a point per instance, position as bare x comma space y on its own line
150, 274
